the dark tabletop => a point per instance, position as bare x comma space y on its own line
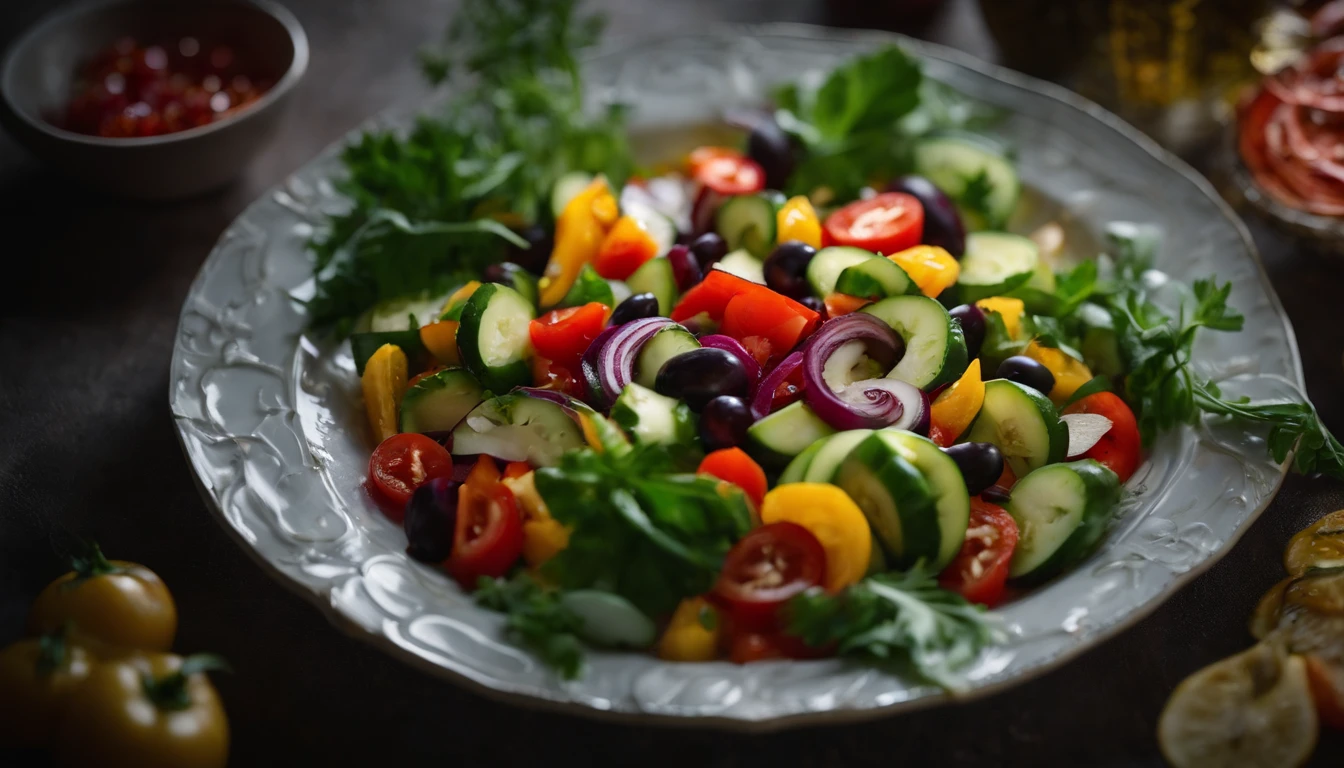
91, 291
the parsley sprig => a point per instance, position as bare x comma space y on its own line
537, 618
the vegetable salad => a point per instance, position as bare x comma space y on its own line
804, 396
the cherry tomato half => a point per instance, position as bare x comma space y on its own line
1120, 447
404, 462
980, 569
730, 175
489, 535
563, 335
744, 645
885, 224
766, 568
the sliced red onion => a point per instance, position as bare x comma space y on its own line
588, 367
765, 393
1085, 431
733, 346
864, 404
616, 359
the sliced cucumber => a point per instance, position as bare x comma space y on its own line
522, 281
953, 162
494, 339
587, 288
995, 263
832, 454
794, 472
404, 314
620, 291
1023, 424
1061, 512
742, 264
1100, 345
665, 345
748, 221
608, 620
567, 188
875, 279
659, 227
776, 439
516, 427
896, 499
935, 347
438, 401
951, 499
655, 276
1038, 293
825, 268
653, 418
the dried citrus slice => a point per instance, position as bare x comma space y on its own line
1319, 546
1252, 710
1268, 611
1320, 591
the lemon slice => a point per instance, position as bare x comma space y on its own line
1252, 710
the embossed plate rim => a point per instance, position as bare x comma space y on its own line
512, 694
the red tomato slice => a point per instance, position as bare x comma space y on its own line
701, 155
404, 462
1120, 448
744, 645
885, 224
730, 175
980, 569
766, 568
736, 467
489, 535
563, 335
550, 375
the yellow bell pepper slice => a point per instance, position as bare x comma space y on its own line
932, 268
1070, 372
383, 383
579, 232
797, 220
956, 407
441, 340
459, 297
1010, 310
686, 637
543, 536
829, 514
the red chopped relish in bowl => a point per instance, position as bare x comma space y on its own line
132, 90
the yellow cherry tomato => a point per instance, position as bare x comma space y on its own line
383, 384
797, 220
829, 514
579, 232
543, 536
1010, 310
686, 637
932, 268
1320, 545
154, 711
37, 678
441, 340
111, 605
956, 407
1070, 373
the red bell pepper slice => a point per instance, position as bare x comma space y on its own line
748, 309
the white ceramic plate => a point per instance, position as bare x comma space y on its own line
270, 419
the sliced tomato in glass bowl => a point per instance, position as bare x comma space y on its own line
402, 463
885, 223
980, 570
764, 570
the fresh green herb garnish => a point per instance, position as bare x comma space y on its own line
975, 196
432, 208
899, 617
537, 618
641, 526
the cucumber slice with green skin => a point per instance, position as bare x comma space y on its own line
875, 279
1100, 345
620, 291
363, 345
1038, 293
951, 499
439, 401
655, 276
587, 288
1061, 512
405, 314
896, 499
665, 345
995, 264
515, 427
567, 188
522, 281
608, 620
494, 339
832, 454
1023, 424
951, 161
776, 439
653, 418
824, 270
935, 347
742, 264
748, 221
658, 226
797, 468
